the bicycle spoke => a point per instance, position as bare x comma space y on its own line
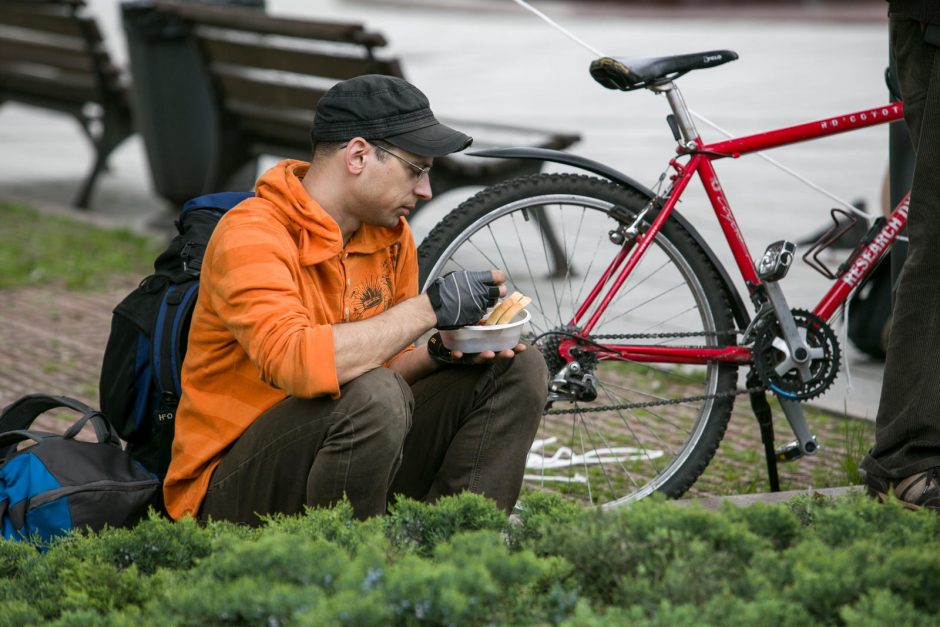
605, 387
587, 273
626, 472
646, 302
525, 257
548, 263
650, 395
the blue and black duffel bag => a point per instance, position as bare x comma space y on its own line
57, 483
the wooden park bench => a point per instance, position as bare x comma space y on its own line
268, 73
52, 56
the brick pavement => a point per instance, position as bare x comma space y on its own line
52, 340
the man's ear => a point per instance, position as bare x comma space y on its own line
355, 155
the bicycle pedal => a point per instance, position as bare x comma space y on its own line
776, 261
789, 452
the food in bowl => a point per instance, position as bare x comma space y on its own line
505, 311
499, 330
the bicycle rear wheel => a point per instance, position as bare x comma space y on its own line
648, 428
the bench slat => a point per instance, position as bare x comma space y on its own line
267, 94
308, 63
290, 141
52, 18
66, 87
44, 54
254, 21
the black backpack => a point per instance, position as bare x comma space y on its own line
870, 311
140, 373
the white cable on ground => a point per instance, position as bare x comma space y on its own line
772, 161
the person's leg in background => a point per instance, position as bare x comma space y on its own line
907, 438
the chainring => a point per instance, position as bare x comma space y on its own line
771, 357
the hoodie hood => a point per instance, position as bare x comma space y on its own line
317, 234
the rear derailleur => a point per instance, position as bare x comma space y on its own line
573, 380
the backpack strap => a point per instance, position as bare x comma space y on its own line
21, 413
104, 433
168, 342
10, 439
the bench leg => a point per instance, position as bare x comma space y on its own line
81, 200
115, 129
559, 269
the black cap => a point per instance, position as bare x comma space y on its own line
375, 106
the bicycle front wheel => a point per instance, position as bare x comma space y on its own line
653, 426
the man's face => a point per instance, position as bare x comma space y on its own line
396, 181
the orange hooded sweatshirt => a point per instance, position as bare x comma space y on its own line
275, 278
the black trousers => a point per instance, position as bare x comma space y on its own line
461, 428
907, 436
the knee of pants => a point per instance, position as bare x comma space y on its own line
528, 378
380, 404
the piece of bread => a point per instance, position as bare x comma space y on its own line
501, 308
507, 316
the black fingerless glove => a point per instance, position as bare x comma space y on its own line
461, 298
441, 354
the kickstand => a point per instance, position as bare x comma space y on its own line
766, 421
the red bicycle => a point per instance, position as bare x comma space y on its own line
639, 322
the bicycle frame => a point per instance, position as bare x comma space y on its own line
863, 259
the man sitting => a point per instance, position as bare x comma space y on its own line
301, 382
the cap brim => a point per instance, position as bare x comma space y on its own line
436, 140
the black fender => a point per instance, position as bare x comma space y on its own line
741, 314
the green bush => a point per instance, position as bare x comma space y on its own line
850, 561
420, 527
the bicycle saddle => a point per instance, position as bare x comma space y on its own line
630, 74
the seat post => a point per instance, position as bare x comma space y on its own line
686, 127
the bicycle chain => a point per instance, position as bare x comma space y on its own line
657, 336
673, 401
646, 404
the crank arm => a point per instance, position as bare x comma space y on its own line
805, 441
799, 350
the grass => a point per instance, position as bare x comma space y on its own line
38, 249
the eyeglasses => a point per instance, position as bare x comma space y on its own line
415, 168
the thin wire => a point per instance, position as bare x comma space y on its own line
560, 28
789, 171
708, 122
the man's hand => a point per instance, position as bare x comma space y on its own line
485, 356
461, 298
446, 357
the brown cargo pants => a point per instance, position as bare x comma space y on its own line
461, 428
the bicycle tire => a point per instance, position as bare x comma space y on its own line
496, 228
